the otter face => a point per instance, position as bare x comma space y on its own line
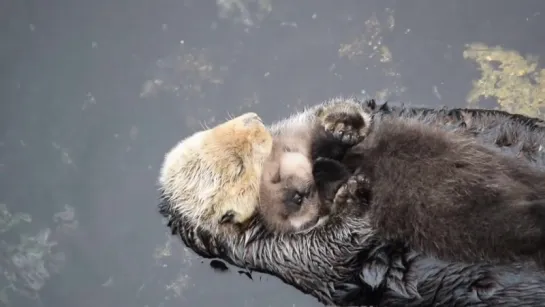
212, 177
289, 201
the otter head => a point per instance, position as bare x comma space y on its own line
289, 201
212, 177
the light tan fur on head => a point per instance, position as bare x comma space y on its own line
212, 177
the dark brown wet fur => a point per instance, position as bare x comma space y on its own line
448, 195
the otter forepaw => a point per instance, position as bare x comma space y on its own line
346, 124
354, 191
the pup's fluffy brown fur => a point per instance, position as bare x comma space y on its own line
446, 194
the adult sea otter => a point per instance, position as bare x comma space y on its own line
342, 262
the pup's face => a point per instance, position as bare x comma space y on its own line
288, 198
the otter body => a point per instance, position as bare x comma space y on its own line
446, 194
344, 262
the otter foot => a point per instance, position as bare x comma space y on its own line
354, 191
345, 122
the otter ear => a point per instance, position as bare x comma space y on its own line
329, 175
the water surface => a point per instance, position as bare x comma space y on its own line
95, 92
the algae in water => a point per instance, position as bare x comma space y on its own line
370, 51
515, 81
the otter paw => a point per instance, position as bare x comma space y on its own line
347, 126
354, 191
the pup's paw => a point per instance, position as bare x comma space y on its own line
354, 191
346, 122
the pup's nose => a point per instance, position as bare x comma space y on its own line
250, 118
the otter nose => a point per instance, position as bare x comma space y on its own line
249, 118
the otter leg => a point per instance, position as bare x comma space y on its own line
354, 191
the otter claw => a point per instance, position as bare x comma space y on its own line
342, 196
346, 127
353, 191
362, 181
358, 185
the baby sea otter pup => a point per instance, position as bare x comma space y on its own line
443, 193
289, 201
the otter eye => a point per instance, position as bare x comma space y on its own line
298, 198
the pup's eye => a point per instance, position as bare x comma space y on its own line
298, 198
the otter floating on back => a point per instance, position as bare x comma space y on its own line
344, 263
